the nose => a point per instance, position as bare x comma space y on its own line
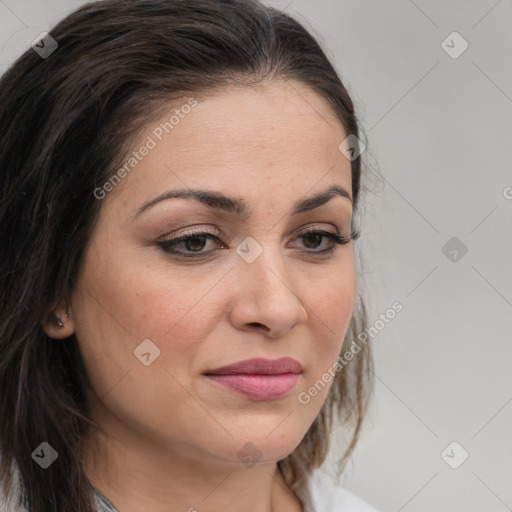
265, 297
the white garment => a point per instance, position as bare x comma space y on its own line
326, 496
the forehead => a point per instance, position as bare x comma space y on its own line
277, 136
270, 118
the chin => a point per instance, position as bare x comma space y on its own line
257, 447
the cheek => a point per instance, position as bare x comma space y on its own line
125, 300
116, 311
127, 297
122, 300
330, 307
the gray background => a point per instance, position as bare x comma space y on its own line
438, 133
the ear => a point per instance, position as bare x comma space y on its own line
59, 324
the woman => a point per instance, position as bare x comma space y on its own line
179, 181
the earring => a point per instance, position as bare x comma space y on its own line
59, 323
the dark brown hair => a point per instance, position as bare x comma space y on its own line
66, 122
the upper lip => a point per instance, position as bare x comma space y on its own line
259, 366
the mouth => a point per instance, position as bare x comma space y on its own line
259, 379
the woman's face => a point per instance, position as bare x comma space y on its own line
151, 319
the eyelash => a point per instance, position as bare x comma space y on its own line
333, 237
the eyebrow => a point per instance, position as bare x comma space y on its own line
220, 201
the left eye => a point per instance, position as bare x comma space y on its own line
194, 243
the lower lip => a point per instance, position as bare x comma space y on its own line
259, 387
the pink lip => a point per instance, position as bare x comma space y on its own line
259, 379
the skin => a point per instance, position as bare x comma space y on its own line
169, 435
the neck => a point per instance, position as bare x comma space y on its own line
135, 473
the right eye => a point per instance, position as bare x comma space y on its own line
192, 244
